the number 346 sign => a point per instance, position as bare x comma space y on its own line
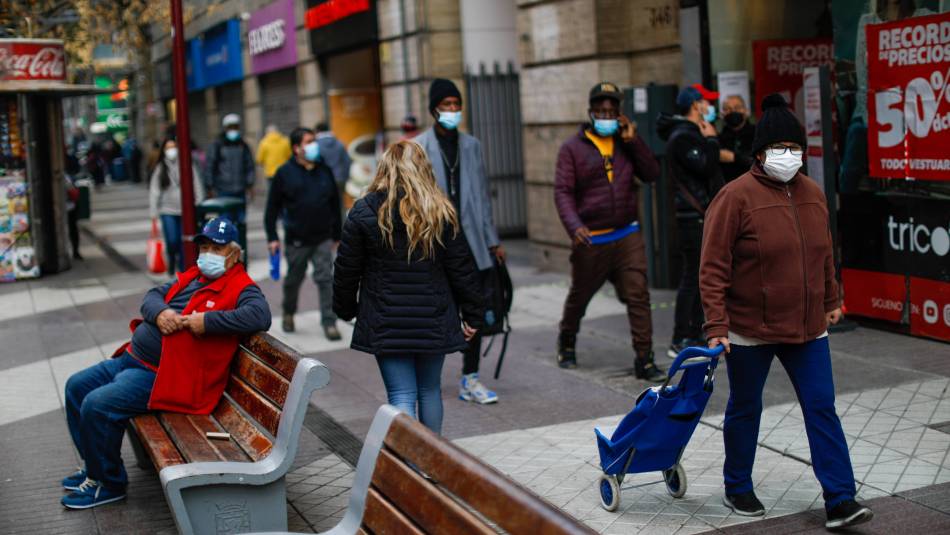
909, 98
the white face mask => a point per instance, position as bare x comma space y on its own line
171, 154
781, 166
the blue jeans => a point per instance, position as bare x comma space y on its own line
242, 212
809, 368
99, 402
171, 228
415, 379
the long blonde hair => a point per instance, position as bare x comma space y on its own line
405, 171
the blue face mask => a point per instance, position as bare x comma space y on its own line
606, 127
232, 135
211, 265
450, 119
710, 116
311, 151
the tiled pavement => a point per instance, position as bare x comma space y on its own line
890, 389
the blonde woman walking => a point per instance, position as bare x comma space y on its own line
403, 270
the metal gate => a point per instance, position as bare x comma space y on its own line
494, 116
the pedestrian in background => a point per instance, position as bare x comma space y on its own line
403, 271
304, 194
273, 151
164, 201
409, 127
596, 198
459, 169
735, 138
769, 289
692, 151
72, 197
334, 153
230, 166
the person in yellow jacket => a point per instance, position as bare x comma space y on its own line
273, 151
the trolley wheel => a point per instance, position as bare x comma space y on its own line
609, 492
675, 479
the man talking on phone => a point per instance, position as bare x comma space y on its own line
596, 198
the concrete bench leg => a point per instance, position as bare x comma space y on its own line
141, 458
220, 509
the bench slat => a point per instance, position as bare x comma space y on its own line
430, 508
188, 433
382, 518
256, 405
247, 436
156, 441
275, 353
262, 377
488, 491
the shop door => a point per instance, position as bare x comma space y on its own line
279, 102
198, 119
230, 99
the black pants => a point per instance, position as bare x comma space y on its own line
689, 308
472, 355
72, 220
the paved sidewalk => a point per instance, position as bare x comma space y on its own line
893, 396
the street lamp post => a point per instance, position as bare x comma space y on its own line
183, 134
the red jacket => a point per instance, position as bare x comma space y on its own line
193, 370
582, 193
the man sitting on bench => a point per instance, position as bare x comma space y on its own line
178, 360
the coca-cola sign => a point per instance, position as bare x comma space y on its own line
29, 59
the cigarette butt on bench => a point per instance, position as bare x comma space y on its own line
218, 436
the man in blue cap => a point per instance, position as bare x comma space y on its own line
205, 311
692, 151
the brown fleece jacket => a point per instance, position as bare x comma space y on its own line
767, 269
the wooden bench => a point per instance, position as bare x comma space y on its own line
458, 493
234, 485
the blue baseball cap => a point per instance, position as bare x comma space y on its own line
691, 94
219, 230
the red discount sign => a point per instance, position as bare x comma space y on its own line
779, 65
28, 59
908, 98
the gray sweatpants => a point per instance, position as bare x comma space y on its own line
321, 257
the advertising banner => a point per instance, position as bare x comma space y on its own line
32, 59
811, 91
908, 98
337, 25
779, 65
271, 40
221, 55
874, 295
733, 83
929, 308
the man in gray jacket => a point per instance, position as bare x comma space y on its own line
333, 153
460, 171
230, 166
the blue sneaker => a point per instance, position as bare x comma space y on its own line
72, 482
470, 389
90, 494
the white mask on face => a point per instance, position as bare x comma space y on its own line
171, 154
781, 167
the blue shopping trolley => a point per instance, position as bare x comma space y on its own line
652, 437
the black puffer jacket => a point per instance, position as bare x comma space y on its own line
694, 160
402, 307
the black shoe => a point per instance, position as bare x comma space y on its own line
77, 256
745, 504
288, 323
848, 513
645, 368
677, 347
566, 357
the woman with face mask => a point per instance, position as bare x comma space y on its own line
164, 201
767, 277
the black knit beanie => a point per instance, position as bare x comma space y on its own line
776, 124
440, 90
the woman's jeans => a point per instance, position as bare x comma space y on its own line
171, 228
99, 402
808, 366
415, 379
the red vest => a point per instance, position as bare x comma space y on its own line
193, 370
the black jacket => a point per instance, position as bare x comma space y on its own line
693, 160
740, 142
309, 202
403, 307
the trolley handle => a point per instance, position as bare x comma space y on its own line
699, 353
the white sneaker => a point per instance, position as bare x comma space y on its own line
470, 389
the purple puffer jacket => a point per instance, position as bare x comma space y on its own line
582, 193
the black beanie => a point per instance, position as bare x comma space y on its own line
440, 90
776, 124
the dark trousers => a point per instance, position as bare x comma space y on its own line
171, 228
809, 368
321, 257
72, 221
99, 402
623, 263
688, 320
472, 356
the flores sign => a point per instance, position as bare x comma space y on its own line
271, 40
32, 59
908, 98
